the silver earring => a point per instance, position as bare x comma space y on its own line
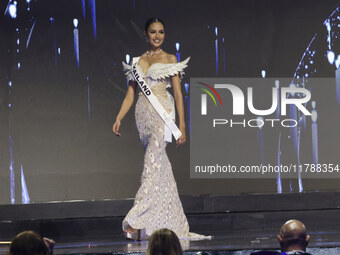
147, 40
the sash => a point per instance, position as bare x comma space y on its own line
155, 103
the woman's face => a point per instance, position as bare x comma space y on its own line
155, 34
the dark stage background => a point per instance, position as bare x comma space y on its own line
56, 117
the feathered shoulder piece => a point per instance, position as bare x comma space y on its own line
160, 70
128, 71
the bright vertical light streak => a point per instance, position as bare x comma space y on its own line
75, 23
186, 86
54, 42
28, 5
83, 8
216, 49
76, 40
11, 170
328, 26
337, 62
337, 85
6, 10
127, 59
315, 134
92, 4
299, 160
25, 198
30, 34
12, 10
295, 133
330, 57
224, 57
178, 55
187, 100
278, 177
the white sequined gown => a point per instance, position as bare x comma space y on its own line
157, 204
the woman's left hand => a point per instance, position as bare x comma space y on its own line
182, 138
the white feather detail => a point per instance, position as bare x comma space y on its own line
161, 70
158, 71
128, 71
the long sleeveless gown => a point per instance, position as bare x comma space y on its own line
157, 204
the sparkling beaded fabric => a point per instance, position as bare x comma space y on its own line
157, 204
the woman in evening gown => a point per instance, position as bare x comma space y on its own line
157, 204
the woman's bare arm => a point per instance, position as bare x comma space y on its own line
125, 107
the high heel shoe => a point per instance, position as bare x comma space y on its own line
135, 234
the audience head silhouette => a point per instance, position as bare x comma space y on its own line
28, 243
293, 236
164, 242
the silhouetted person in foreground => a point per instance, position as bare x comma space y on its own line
30, 243
293, 240
164, 242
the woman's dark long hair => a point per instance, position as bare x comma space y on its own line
28, 243
164, 242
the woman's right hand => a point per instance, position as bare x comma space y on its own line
115, 128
